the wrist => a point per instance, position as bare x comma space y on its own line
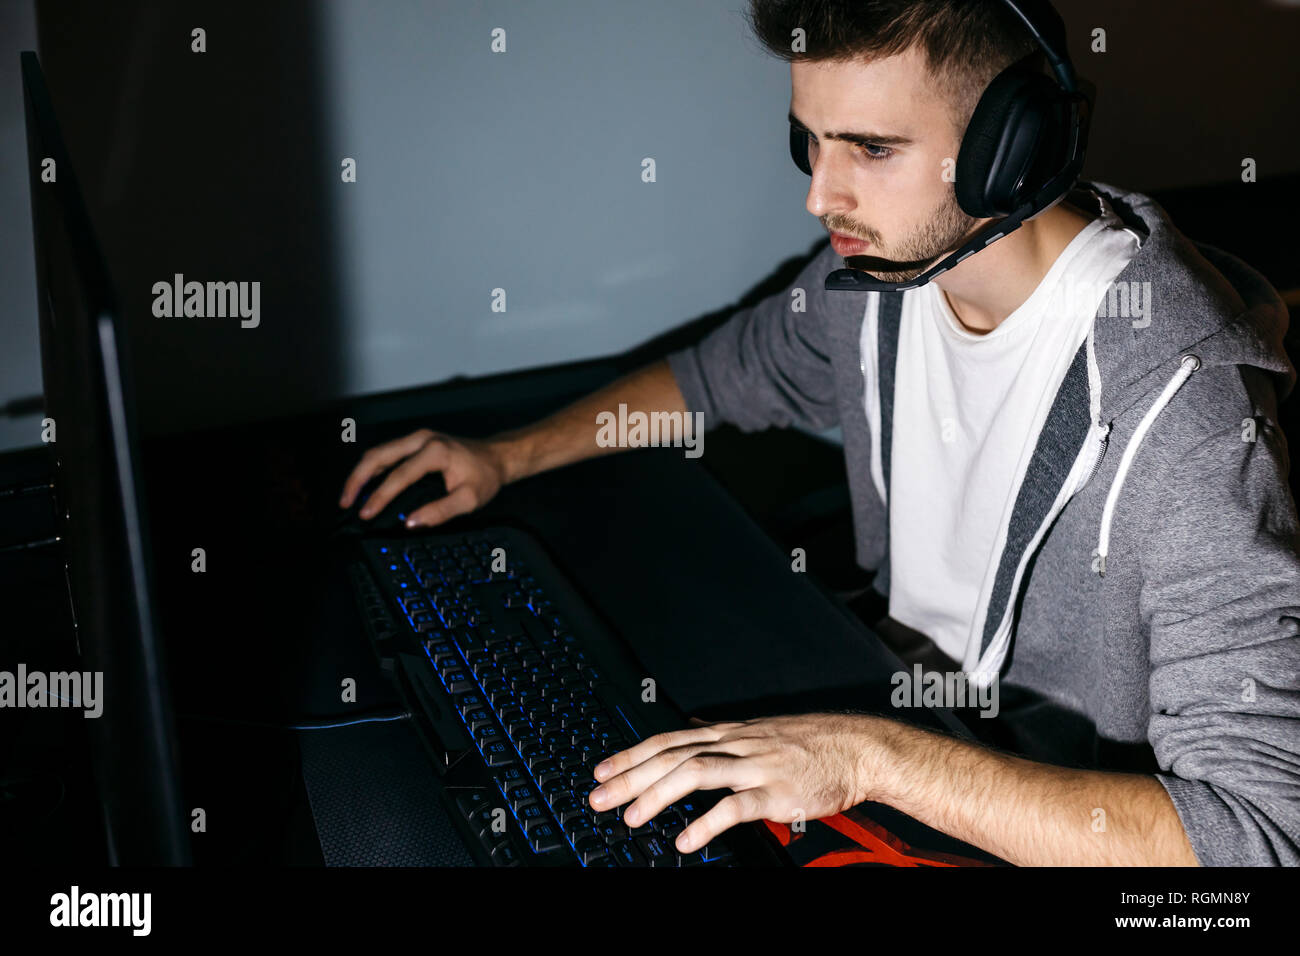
510, 455
879, 759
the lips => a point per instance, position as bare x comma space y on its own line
847, 246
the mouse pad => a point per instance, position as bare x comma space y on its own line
854, 838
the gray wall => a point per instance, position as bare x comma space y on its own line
522, 171
478, 171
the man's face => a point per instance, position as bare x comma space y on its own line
888, 186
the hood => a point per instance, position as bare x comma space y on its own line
1177, 307
1199, 299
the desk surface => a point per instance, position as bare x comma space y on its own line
705, 599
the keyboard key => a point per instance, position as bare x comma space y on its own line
567, 807
715, 851
458, 680
543, 766
524, 735
612, 831
530, 814
656, 851
537, 760
467, 702
472, 801
530, 698
467, 640
442, 652
553, 785
626, 853
669, 824
545, 838
505, 854
485, 821
546, 725
496, 639
499, 754
570, 760
509, 777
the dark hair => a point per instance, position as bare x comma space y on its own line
965, 42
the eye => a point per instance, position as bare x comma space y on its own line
884, 152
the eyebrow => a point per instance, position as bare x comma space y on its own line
862, 139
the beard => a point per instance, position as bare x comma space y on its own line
940, 232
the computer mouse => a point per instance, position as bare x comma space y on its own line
428, 488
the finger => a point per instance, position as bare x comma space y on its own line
460, 501
710, 770
624, 760
430, 458
737, 808
620, 788
643, 779
377, 459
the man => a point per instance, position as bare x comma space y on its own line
1065, 467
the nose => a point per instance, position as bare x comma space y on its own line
828, 191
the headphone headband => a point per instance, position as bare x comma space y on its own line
1043, 20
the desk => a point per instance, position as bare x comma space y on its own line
267, 633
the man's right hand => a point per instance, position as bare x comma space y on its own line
473, 472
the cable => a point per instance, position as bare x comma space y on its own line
25, 545
25, 488
325, 724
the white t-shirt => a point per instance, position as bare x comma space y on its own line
967, 411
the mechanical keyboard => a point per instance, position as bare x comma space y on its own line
518, 689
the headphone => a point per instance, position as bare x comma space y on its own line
1021, 153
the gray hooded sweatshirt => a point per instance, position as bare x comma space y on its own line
1144, 612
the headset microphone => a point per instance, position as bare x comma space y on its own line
1022, 151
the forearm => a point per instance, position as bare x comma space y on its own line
569, 435
1027, 813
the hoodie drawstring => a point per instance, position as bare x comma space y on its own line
1188, 365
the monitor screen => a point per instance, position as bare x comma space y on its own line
90, 432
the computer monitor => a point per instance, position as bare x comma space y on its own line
103, 526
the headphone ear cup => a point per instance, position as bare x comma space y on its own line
799, 149
1012, 138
